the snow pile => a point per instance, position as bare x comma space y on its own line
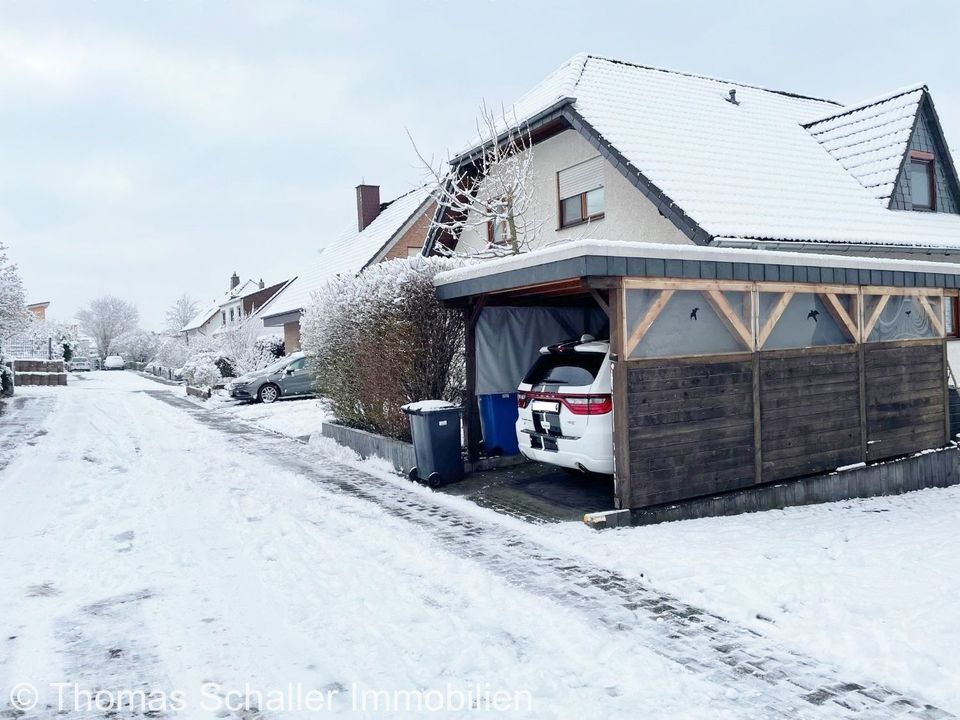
294, 418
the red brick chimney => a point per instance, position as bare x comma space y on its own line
234, 280
368, 205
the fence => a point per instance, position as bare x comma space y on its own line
23, 347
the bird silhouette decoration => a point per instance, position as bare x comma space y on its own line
693, 313
815, 314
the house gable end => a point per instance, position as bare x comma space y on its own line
573, 120
927, 137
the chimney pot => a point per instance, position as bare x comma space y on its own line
368, 205
234, 280
261, 283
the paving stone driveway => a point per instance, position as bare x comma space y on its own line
772, 682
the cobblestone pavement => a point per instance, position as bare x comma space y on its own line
771, 681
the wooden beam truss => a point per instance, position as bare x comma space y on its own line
854, 317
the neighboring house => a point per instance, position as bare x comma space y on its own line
383, 231
238, 304
39, 310
633, 153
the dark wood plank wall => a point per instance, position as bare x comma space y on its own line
905, 398
690, 421
690, 427
810, 411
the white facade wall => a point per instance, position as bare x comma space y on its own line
628, 215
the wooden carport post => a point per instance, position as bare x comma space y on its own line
471, 416
616, 300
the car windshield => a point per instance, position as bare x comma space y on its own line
575, 368
278, 365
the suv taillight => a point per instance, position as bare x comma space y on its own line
522, 400
588, 404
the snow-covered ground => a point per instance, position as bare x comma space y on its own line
138, 547
139, 544
869, 585
295, 418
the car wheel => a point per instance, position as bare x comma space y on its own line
268, 393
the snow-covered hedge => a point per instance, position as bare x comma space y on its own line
231, 353
380, 339
201, 370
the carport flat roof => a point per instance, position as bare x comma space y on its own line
609, 258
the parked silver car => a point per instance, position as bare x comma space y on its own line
79, 364
287, 377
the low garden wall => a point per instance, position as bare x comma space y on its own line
367, 444
927, 469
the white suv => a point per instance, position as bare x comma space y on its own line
566, 407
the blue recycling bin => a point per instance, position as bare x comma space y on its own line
498, 423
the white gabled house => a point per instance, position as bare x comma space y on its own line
634, 153
241, 302
383, 231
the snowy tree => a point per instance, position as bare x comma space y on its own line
492, 194
174, 351
180, 313
241, 350
61, 339
106, 319
14, 315
137, 345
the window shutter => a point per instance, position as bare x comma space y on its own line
580, 178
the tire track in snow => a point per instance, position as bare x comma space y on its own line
785, 683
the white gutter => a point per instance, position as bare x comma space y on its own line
829, 248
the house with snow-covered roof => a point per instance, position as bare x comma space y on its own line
634, 153
776, 275
383, 231
237, 305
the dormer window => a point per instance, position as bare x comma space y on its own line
923, 181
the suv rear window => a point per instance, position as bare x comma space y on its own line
574, 368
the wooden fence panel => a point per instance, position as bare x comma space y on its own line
810, 411
905, 398
690, 427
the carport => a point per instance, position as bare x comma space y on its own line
732, 368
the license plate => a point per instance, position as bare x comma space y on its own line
545, 406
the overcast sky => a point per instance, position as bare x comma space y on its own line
151, 147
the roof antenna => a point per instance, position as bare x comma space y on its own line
732, 97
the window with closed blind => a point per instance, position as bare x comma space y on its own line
580, 192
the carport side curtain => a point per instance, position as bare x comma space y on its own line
509, 340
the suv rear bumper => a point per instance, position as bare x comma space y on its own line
573, 453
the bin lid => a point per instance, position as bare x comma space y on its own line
422, 407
